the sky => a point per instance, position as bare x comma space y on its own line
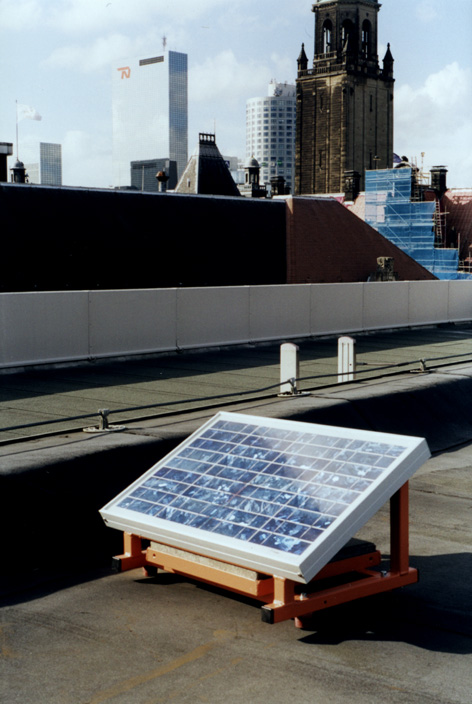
57, 54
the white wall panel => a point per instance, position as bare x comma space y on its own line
46, 327
336, 308
385, 305
132, 322
43, 327
278, 312
460, 300
212, 316
428, 302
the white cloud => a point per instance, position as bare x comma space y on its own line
92, 15
86, 160
86, 157
436, 118
219, 88
74, 16
441, 103
97, 55
28, 148
427, 10
79, 16
227, 80
284, 67
19, 14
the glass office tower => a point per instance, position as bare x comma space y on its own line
270, 132
50, 164
149, 112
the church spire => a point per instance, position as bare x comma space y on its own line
388, 63
302, 60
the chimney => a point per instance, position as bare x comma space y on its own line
438, 180
278, 187
162, 179
352, 184
18, 174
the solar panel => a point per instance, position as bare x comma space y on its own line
281, 497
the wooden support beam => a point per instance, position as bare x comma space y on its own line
259, 588
372, 583
284, 590
133, 555
284, 598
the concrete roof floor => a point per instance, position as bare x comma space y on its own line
93, 637
192, 380
74, 633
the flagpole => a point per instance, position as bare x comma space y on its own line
17, 158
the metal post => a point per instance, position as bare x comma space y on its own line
289, 368
346, 359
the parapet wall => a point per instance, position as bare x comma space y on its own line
69, 326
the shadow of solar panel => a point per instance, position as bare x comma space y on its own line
278, 496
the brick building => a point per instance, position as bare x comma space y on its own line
345, 102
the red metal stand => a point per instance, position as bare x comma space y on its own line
338, 582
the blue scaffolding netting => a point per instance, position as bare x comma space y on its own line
409, 225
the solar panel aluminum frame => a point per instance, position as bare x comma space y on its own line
298, 567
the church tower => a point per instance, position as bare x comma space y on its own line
345, 102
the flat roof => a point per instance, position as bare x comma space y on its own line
165, 385
191, 642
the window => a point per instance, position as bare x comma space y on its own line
366, 38
347, 32
327, 36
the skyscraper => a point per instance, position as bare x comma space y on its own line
144, 174
50, 164
270, 132
345, 102
48, 171
149, 112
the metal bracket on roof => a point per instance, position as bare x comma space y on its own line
293, 389
423, 368
103, 426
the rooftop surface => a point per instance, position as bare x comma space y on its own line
74, 633
45, 400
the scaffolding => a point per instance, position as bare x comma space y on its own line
415, 227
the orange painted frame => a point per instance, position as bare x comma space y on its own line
284, 598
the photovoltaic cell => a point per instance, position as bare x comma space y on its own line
262, 491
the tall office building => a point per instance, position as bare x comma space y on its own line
50, 164
48, 171
144, 174
149, 112
270, 132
